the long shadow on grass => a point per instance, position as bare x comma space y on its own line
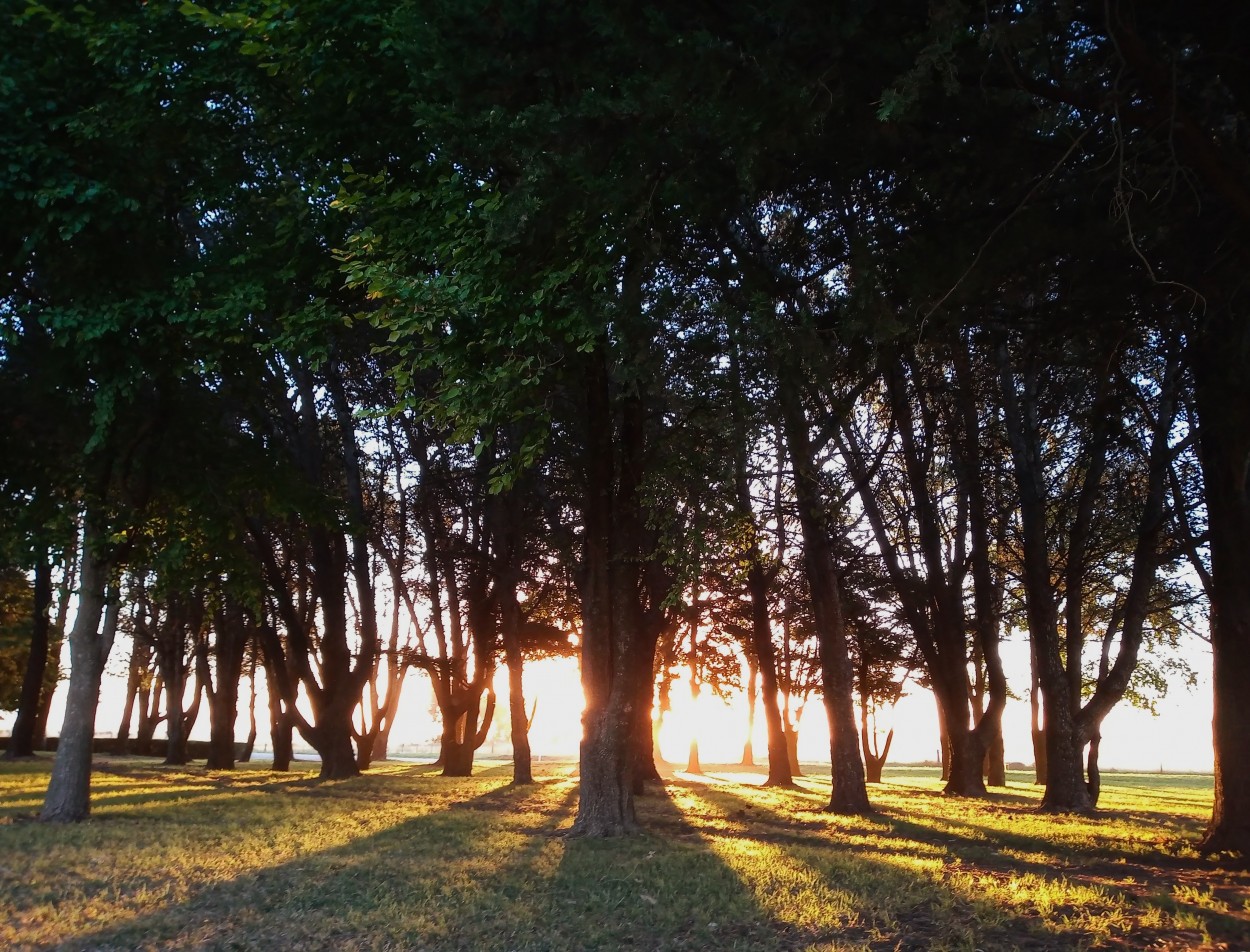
666, 889
909, 910
463, 877
1098, 864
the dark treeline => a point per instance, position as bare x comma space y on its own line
338, 340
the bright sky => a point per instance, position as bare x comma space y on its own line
1178, 739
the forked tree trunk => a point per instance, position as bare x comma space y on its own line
849, 793
331, 738
965, 750
68, 798
874, 759
150, 716
470, 735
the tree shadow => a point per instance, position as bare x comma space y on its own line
979, 849
429, 880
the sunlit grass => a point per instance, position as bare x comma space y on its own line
405, 859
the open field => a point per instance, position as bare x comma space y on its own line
404, 859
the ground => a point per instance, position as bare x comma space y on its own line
178, 858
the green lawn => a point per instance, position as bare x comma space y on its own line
404, 859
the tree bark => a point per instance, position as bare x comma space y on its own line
22, 738
1222, 387
849, 794
610, 609
223, 695
68, 798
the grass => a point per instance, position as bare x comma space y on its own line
178, 858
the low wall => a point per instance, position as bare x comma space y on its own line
196, 749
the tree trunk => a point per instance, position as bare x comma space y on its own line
22, 738
68, 797
281, 724
1038, 734
250, 744
150, 716
1091, 769
874, 760
70, 565
995, 758
967, 757
781, 771
174, 668
610, 604
1066, 790
644, 725
223, 691
458, 753
331, 738
522, 761
849, 794
1222, 385
133, 680
792, 751
282, 735
748, 748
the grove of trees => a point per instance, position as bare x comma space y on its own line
342, 340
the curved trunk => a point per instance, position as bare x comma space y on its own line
250, 744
